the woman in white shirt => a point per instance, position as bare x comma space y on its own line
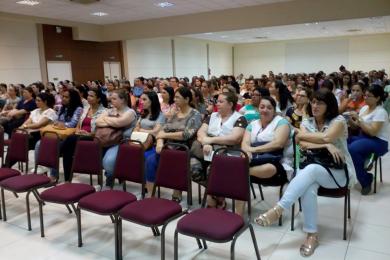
40, 117
373, 122
326, 129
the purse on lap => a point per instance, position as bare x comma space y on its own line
319, 156
267, 157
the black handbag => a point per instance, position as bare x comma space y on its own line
320, 156
268, 157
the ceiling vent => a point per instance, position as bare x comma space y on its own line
354, 30
85, 2
261, 37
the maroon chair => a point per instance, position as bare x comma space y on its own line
2, 145
87, 160
48, 156
17, 152
229, 178
173, 173
129, 166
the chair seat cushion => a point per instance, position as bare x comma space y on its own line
333, 193
150, 211
210, 223
6, 173
67, 193
106, 202
24, 183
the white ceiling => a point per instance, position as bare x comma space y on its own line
372, 25
122, 10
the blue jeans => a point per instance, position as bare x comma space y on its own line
151, 164
360, 147
109, 163
305, 186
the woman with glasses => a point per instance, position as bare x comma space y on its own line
302, 107
251, 111
373, 122
326, 129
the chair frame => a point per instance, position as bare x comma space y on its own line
377, 158
114, 216
247, 221
33, 190
41, 202
324, 192
156, 188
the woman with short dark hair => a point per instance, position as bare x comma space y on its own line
373, 122
326, 129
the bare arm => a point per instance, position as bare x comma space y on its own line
334, 131
280, 140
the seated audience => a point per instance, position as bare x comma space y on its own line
301, 109
372, 121
168, 106
119, 116
40, 117
17, 116
282, 96
355, 101
151, 121
85, 129
181, 128
326, 129
251, 111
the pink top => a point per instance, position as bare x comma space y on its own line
86, 124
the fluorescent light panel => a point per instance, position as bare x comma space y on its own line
99, 14
164, 4
28, 2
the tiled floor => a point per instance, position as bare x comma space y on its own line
368, 232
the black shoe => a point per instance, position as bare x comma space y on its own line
366, 190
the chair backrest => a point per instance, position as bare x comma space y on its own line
229, 175
49, 152
18, 147
129, 164
87, 158
173, 168
1, 141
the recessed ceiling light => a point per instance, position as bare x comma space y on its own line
28, 2
99, 14
224, 36
208, 33
164, 4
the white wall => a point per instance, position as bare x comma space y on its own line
153, 57
19, 55
149, 58
220, 58
311, 55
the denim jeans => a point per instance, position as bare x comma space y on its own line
305, 186
109, 163
360, 147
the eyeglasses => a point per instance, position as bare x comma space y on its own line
368, 96
299, 95
317, 103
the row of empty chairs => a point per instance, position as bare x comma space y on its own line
229, 178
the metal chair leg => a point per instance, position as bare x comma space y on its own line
380, 169
253, 191
120, 254
67, 206
261, 192
204, 244
349, 204
375, 172
199, 194
175, 246
199, 243
292, 216
345, 217
254, 242
78, 217
28, 210
3, 205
